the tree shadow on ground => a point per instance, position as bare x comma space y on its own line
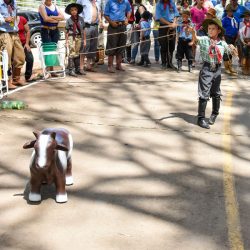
191, 192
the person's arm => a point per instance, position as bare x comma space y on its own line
84, 38
128, 13
106, 15
27, 36
44, 15
60, 16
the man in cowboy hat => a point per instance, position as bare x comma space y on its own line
75, 34
212, 49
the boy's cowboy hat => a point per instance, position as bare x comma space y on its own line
229, 8
212, 12
246, 13
215, 21
76, 5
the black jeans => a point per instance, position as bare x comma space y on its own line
29, 63
49, 36
166, 39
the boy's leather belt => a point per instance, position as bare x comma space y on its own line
90, 24
49, 27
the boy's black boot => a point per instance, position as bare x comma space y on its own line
215, 110
179, 65
190, 66
71, 67
201, 113
141, 63
148, 63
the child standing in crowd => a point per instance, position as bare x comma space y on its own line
185, 43
74, 35
212, 48
245, 40
231, 26
145, 42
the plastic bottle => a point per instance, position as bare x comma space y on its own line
12, 105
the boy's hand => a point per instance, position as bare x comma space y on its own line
84, 43
190, 43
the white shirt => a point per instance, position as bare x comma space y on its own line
87, 10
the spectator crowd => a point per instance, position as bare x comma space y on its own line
130, 26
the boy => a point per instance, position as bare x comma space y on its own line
184, 47
212, 49
74, 35
231, 26
145, 38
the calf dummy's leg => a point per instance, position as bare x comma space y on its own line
69, 177
35, 186
61, 195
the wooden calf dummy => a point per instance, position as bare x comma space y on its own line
50, 162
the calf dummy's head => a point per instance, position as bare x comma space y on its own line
45, 146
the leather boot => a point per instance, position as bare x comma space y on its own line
215, 110
190, 66
119, 62
147, 61
227, 70
128, 53
101, 57
71, 67
179, 65
141, 63
16, 76
230, 67
78, 71
110, 64
10, 85
244, 66
170, 63
201, 114
97, 56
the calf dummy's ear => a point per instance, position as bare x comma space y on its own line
29, 144
36, 133
62, 147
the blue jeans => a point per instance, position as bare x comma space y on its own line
135, 39
156, 45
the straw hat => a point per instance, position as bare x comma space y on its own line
212, 12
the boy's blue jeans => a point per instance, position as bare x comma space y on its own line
156, 45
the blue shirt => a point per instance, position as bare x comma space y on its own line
145, 25
231, 26
238, 12
87, 10
247, 5
117, 10
6, 11
49, 12
181, 29
168, 14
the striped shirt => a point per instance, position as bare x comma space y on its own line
204, 42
